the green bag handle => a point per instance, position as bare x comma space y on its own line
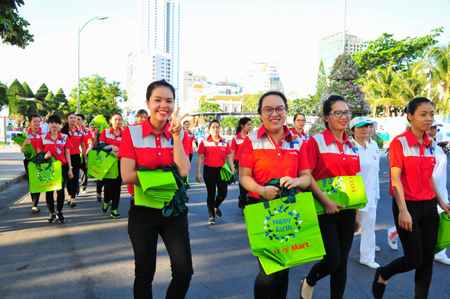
49, 164
444, 215
289, 199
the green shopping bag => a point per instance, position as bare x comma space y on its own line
99, 163
159, 184
45, 177
283, 234
100, 122
227, 175
29, 152
443, 239
140, 199
345, 190
113, 171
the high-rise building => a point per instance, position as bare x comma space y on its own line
262, 77
160, 33
330, 47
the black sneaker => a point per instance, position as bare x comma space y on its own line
212, 220
52, 218
60, 217
114, 214
99, 198
73, 204
105, 207
219, 213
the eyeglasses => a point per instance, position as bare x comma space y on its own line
301, 120
339, 113
279, 110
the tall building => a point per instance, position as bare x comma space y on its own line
160, 33
330, 47
262, 77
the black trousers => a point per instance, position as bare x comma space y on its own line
100, 185
72, 184
418, 245
190, 157
212, 178
112, 190
144, 226
84, 178
243, 193
337, 234
34, 196
273, 286
59, 193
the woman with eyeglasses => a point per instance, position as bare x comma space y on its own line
270, 153
299, 126
330, 154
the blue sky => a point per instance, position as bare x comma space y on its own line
219, 38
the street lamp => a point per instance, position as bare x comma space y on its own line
79, 32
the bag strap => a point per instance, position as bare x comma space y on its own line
289, 199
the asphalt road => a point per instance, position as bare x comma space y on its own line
90, 256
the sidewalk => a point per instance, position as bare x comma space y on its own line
11, 167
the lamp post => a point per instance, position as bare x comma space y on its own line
79, 32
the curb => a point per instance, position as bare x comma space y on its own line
14, 180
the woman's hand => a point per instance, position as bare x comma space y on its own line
405, 220
331, 207
114, 148
289, 182
198, 178
271, 192
357, 223
175, 126
70, 173
48, 155
26, 142
445, 207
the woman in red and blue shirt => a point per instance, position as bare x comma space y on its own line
331, 154
113, 137
270, 153
34, 133
156, 143
56, 144
244, 128
191, 136
415, 197
214, 151
299, 126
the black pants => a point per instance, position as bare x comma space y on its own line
59, 193
212, 178
190, 157
144, 226
100, 185
243, 193
84, 178
72, 184
112, 190
34, 196
418, 245
337, 234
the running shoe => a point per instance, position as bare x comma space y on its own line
114, 214
219, 213
73, 204
105, 207
83, 191
212, 220
52, 218
392, 243
60, 217
35, 210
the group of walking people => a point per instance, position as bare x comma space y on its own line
274, 151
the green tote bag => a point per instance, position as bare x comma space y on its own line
284, 234
443, 240
99, 163
345, 190
46, 177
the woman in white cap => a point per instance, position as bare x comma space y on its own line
369, 162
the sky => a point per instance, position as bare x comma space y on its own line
219, 39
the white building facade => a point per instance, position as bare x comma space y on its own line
262, 77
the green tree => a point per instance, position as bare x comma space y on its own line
321, 84
306, 106
60, 104
97, 96
251, 102
29, 93
40, 95
12, 26
3, 95
19, 106
386, 51
209, 105
229, 122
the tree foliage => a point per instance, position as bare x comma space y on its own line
18, 103
3, 95
306, 106
321, 84
209, 105
40, 95
60, 105
29, 93
97, 96
251, 102
229, 122
12, 26
386, 51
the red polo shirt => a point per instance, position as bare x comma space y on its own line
111, 138
302, 135
191, 138
34, 138
215, 152
269, 160
328, 158
417, 163
236, 145
76, 138
56, 147
148, 149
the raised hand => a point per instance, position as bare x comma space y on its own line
175, 125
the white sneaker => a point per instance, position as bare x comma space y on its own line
372, 265
377, 249
444, 260
392, 244
83, 191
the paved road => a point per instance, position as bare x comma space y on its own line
90, 256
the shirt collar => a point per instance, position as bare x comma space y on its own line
49, 135
111, 131
211, 140
329, 138
287, 135
147, 129
39, 132
74, 131
412, 139
239, 136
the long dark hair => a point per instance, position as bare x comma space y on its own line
330, 102
242, 122
65, 128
